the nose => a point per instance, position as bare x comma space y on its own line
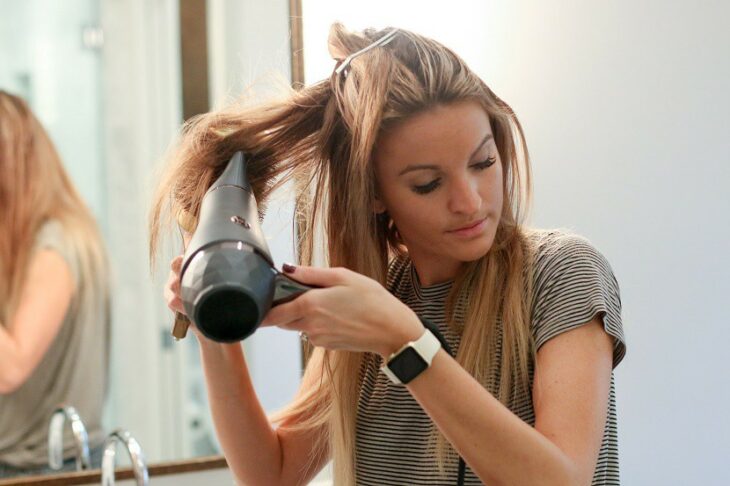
464, 196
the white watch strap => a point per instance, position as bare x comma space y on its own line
426, 346
391, 376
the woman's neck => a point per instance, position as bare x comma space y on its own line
433, 271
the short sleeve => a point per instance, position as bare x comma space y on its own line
51, 236
573, 283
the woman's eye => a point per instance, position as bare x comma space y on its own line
431, 186
426, 188
486, 164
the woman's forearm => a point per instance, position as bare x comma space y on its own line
498, 446
250, 443
44, 300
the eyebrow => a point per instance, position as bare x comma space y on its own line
413, 167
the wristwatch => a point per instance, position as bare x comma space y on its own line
412, 359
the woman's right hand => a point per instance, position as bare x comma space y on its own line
172, 287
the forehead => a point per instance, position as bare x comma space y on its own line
442, 134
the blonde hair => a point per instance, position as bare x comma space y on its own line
322, 137
34, 189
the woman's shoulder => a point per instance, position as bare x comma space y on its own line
52, 235
572, 282
559, 245
552, 238
562, 257
50, 230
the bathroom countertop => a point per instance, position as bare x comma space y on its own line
94, 476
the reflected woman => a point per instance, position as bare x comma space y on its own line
54, 297
419, 176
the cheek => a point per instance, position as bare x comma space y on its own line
415, 216
493, 188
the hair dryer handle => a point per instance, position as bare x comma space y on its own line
286, 289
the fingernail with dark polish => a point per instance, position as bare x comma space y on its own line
288, 268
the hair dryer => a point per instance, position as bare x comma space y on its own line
228, 281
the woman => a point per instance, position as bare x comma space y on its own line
54, 309
417, 174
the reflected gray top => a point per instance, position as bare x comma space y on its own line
73, 370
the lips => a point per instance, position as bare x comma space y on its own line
468, 226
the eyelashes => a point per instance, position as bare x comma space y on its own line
431, 186
485, 164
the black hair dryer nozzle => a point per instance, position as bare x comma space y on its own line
228, 281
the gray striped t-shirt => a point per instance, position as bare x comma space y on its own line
572, 283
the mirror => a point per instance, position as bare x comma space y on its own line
112, 82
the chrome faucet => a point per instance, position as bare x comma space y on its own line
135, 455
55, 438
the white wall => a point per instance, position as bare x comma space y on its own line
625, 106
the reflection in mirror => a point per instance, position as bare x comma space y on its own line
108, 463
104, 79
54, 304
59, 418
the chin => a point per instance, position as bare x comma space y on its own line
473, 250
471, 256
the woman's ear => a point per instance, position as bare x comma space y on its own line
378, 205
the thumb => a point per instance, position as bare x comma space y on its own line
319, 277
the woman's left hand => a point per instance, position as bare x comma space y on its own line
350, 312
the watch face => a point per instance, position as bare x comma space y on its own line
407, 365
